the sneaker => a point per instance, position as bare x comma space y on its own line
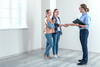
47, 57
55, 56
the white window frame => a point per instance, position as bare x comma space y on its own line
21, 20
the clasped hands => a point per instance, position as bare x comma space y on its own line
66, 25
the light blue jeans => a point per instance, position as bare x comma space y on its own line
49, 43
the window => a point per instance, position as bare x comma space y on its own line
13, 14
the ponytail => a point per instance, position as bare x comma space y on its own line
84, 6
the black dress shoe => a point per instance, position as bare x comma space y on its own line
82, 63
80, 60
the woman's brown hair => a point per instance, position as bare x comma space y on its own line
84, 6
54, 11
47, 11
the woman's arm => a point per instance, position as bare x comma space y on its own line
83, 26
78, 25
66, 25
50, 23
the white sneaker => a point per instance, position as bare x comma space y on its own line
55, 56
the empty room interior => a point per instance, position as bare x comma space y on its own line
28, 40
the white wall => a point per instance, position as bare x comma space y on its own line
11, 42
68, 12
34, 22
21, 40
52, 4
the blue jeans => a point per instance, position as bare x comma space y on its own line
83, 39
49, 43
56, 38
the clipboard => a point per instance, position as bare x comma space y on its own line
77, 21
